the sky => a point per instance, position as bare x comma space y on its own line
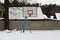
45, 1
49, 2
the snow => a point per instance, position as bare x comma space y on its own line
52, 17
1, 18
33, 35
58, 16
45, 16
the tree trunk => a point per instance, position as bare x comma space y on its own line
6, 24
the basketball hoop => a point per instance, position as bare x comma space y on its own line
30, 15
30, 12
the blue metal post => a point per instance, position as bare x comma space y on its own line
24, 24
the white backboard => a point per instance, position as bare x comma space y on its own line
20, 12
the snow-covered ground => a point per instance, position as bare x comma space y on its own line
33, 35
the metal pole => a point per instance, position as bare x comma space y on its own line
24, 24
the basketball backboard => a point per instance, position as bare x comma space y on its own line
30, 11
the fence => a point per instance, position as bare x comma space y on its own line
33, 24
